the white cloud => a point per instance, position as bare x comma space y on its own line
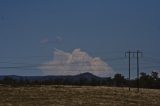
44, 41
75, 63
56, 40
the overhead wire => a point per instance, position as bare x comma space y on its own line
123, 65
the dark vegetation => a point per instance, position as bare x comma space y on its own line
85, 79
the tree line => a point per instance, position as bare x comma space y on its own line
151, 80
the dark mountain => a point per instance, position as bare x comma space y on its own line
85, 76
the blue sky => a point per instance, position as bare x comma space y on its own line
102, 28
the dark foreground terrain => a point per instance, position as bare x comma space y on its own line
76, 96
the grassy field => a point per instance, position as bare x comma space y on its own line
77, 96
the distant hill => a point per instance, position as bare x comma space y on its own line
85, 76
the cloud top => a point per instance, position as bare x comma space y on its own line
75, 63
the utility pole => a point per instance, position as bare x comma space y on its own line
139, 53
129, 66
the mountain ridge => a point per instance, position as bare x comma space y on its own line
87, 76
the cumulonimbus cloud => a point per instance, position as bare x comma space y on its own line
75, 63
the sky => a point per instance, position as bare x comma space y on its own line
30, 30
